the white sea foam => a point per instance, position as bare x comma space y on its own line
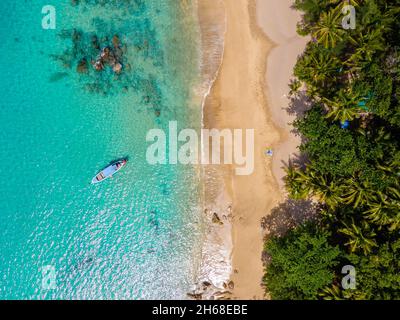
215, 267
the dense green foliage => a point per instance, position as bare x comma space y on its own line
353, 172
379, 276
301, 264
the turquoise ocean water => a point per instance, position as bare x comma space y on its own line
132, 237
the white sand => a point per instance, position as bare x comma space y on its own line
250, 92
278, 20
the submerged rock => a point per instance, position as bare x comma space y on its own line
105, 53
127, 67
76, 36
98, 65
82, 66
101, 52
115, 41
100, 58
95, 43
58, 76
124, 49
117, 68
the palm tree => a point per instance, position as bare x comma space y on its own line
321, 186
296, 183
341, 113
391, 168
328, 30
324, 188
395, 222
336, 293
311, 182
360, 238
386, 212
358, 194
366, 44
321, 65
354, 3
344, 106
378, 214
332, 293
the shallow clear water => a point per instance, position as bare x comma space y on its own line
132, 237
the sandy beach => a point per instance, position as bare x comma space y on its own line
249, 92
288, 45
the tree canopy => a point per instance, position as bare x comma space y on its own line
351, 136
301, 264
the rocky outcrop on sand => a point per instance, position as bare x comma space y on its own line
208, 291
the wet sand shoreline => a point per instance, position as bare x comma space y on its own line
237, 101
250, 92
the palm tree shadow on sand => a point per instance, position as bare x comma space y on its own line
291, 213
288, 215
298, 106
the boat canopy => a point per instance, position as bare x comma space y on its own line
110, 170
